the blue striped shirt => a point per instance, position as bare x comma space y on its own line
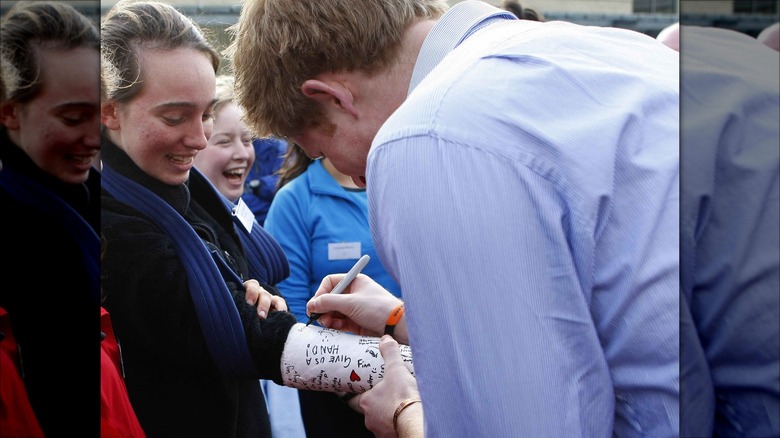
730, 239
525, 198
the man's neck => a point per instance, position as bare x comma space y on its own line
410, 48
389, 86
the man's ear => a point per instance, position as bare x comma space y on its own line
330, 93
9, 115
108, 115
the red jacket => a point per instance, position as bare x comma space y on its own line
17, 419
117, 417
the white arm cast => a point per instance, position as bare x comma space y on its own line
320, 359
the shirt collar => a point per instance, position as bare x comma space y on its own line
457, 24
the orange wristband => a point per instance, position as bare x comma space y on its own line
393, 319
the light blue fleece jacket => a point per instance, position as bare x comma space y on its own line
323, 229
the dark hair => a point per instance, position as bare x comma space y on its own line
131, 25
295, 163
513, 7
530, 14
31, 25
520, 12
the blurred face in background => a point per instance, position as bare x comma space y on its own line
59, 129
229, 154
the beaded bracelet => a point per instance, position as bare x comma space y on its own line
404, 404
393, 319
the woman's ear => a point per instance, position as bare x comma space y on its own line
9, 115
108, 115
330, 93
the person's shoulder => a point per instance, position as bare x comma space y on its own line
269, 145
111, 206
297, 190
123, 221
23, 224
715, 60
719, 45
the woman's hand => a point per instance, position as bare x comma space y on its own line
265, 301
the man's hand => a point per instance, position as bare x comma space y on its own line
363, 308
398, 384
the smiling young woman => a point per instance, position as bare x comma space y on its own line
230, 154
49, 187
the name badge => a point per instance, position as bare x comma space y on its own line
244, 214
343, 250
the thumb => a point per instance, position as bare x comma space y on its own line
325, 303
390, 351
